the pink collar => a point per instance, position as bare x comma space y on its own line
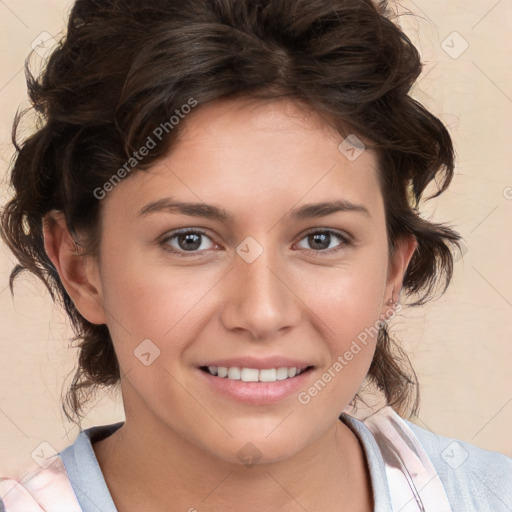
412, 480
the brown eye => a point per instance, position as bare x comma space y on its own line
322, 240
186, 241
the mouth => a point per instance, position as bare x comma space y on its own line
254, 374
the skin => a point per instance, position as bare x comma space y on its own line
258, 160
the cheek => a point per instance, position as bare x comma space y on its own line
347, 303
153, 301
347, 299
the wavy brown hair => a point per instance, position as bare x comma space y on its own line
124, 67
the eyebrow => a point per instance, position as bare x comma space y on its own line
209, 211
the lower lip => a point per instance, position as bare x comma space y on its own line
257, 392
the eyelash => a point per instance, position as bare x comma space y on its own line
346, 242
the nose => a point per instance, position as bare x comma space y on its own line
260, 297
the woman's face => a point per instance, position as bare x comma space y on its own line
257, 285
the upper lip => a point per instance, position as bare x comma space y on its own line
258, 363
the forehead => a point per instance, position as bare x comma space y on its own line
266, 151
227, 123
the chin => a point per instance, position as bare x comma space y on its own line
255, 449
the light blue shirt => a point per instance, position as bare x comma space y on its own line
475, 480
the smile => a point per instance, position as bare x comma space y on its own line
254, 374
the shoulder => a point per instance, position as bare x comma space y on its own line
56, 483
44, 488
480, 479
438, 469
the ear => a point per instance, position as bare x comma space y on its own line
79, 274
398, 264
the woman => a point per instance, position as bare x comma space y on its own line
278, 140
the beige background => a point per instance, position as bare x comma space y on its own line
461, 345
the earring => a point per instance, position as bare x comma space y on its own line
391, 301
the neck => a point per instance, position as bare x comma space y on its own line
148, 466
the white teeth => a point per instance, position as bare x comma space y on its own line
268, 375
253, 374
249, 375
282, 373
234, 373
